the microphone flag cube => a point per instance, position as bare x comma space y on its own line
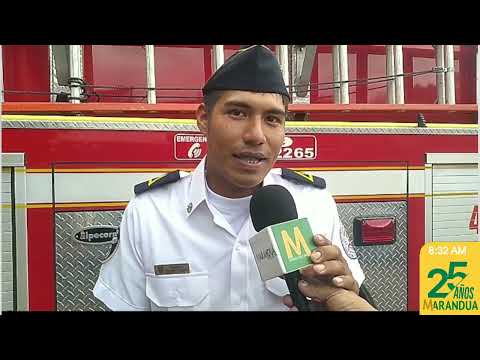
283, 248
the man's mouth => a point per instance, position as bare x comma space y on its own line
250, 158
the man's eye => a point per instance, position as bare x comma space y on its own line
237, 113
274, 120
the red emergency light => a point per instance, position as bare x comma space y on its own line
374, 231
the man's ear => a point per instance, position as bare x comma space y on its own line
202, 119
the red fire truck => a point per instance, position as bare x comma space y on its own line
402, 173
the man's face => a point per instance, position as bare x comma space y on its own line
245, 131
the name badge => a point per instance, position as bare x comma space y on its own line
171, 269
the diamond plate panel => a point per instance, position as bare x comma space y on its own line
149, 126
385, 266
90, 125
382, 130
78, 265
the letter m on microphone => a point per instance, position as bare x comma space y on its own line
295, 243
283, 248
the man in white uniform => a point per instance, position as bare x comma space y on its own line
184, 237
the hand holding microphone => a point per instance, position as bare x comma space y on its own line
311, 265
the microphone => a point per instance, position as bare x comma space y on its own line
283, 243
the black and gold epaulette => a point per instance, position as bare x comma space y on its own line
157, 182
301, 177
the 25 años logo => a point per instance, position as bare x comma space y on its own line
444, 277
449, 278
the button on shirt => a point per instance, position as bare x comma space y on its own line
182, 223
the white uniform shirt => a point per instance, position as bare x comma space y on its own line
174, 224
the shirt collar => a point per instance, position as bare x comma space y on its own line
197, 192
270, 179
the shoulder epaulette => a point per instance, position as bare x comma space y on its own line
301, 177
157, 182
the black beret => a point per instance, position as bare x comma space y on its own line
254, 69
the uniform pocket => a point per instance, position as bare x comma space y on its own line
178, 292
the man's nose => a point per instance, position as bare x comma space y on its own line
254, 133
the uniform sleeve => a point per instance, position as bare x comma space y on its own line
340, 238
121, 282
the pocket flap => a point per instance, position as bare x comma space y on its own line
177, 290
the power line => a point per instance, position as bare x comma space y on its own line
316, 87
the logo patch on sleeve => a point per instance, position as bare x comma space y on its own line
347, 244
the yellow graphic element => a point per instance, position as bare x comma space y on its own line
450, 278
474, 193
68, 205
297, 246
378, 197
154, 180
309, 177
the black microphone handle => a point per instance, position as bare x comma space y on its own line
299, 300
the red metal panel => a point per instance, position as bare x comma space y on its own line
41, 260
420, 89
207, 51
322, 73
88, 64
186, 66
122, 66
362, 73
26, 68
180, 68
376, 67
408, 80
467, 75
46, 146
460, 113
424, 87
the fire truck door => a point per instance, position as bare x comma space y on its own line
451, 194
